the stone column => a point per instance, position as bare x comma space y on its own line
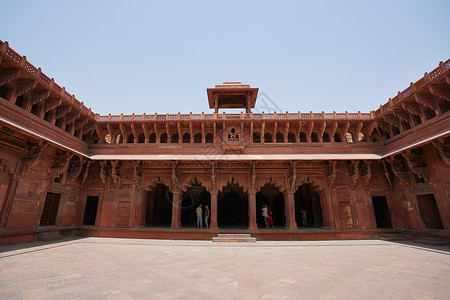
176, 210
252, 210
213, 224
289, 207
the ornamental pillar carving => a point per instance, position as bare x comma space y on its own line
213, 224
289, 207
176, 200
176, 210
252, 210
214, 193
252, 199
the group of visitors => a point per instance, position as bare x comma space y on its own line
268, 219
267, 214
199, 212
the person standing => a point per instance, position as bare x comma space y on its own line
265, 215
304, 218
270, 220
199, 213
207, 213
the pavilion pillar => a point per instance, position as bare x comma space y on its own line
213, 224
176, 210
252, 210
289, 207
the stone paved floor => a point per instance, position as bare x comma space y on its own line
101, 268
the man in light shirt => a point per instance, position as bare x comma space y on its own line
199, 213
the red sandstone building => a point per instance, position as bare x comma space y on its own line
357, 175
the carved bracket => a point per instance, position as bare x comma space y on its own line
137, 173
60, 166
8, 74
399, 169
39, 96
354, 172
85, 172
331, 174
366, 172
34, 154
24, 87
103, 175
386, 173
443, 150
115, 173
416, 165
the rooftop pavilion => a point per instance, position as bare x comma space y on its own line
232, 95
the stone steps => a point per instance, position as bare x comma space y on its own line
430, 241
233, 237
48, 236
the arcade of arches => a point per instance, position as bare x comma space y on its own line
233, 206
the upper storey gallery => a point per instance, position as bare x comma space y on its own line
25, 90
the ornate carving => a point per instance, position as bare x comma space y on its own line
175, 183
196, 180
292, 176
412, 107
278, 181
81, 122
391, 119
386, 173
85, 172
51, 103
72, 116
4, 164
308, 130
34, 154
443, 150
63, 110
331, 174
399, 169
320, 129
333, 129
440, 91
25, 86
316, 181
75, 168
115, 172
60, 165
88, 127
368, 129
427, 100
416, 165
8, 74
252, 188
354, 172
39, 96
103, 175
137, 173
366, 172
401, 114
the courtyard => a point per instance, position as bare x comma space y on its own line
110, 268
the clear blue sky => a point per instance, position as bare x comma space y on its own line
160, 56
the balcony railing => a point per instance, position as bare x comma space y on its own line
427, 78
233, 117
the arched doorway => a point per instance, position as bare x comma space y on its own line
270, 194
159, 206
195, 195
308, 200
232, 206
